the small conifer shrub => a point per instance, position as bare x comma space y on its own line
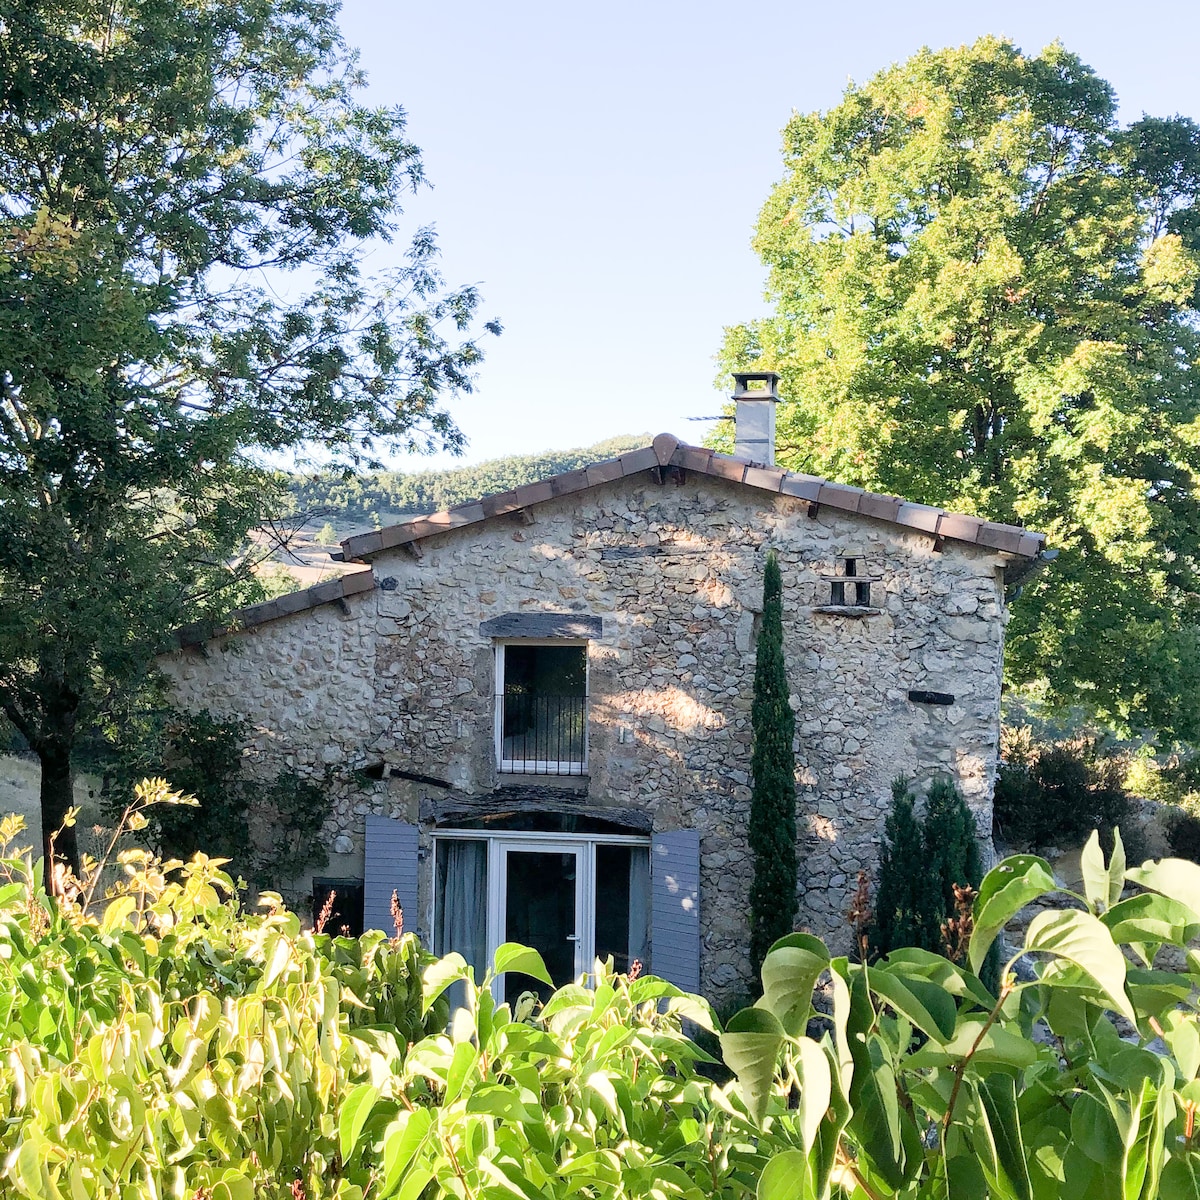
920, 864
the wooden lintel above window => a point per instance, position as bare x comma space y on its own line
574, 626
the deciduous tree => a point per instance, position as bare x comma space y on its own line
985, 296
186, 194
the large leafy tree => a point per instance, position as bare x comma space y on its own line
187, 189
985, 296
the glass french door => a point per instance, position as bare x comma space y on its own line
543, 890
572, 899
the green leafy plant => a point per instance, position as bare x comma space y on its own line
772, 832
1079, 1078
161, 1042
267, 822
1056, 793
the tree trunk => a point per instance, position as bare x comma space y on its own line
57, 796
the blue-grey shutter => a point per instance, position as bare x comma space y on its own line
675, 908
391, 866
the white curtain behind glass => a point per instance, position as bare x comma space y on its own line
639, 903
462, 906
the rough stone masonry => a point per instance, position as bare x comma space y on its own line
401, 674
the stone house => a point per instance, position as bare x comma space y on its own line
537, 706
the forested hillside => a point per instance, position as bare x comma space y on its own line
348, 501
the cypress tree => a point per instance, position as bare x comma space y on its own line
773, 802
900, 899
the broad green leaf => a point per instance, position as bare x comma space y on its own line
816, 1085
512, 956
1174, 877
926, 1005
913, 962
356, 1108
401, 1144
788, 1176
1103, 884
439, 976
750, 1046
1095, 1133
516, 1104
465, 1058
998, 1095
1151, 918
1083, 939
1005, 890
116, 912
997, 1046
1180, 1178
876, 1119
789, 974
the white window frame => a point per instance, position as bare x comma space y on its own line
514, 766
498, 846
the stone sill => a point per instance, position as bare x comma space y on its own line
848, 610
568, 783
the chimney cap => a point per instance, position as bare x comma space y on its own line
755, 385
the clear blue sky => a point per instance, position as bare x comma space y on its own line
598, 169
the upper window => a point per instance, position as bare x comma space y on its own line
541, 707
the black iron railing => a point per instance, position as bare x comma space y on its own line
542, 734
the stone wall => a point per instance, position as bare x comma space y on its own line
20, 788
404, 675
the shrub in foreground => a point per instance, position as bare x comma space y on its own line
172, 1046
926, 1084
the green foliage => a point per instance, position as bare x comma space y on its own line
1053, 794
266, 822
187, 194
359, 499
951, 851
900, 894
924, 1083
920, 862
985, 296
772, 833
170, 1045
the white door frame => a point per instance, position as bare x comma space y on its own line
584, 935
498, 846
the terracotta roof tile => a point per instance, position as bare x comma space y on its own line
838, 495
770, 479
639, 460
667, 449
604, 472
918, 516
724, 467
805, 487
332, 590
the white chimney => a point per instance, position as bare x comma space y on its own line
756, 393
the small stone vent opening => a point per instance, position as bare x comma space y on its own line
851, 587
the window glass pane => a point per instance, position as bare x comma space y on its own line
547, 670
544, 707
622, 904
541, 913
345, 915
